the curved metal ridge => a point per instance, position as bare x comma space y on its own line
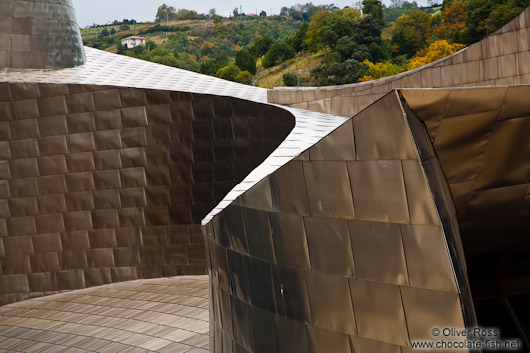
138, 153
104, 68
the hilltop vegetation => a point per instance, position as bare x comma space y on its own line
307, 44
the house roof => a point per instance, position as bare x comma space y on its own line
133, 37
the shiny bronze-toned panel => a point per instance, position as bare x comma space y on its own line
379, 191
379, 312
105, 159
383, 239
381, 132
329, 236
330, 303
328, 189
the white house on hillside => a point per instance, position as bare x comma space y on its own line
131, 42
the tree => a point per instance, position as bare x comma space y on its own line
314, 34
398, 8
278, 53
121, 48
341, 23
260, 46
137, 50
373, 71
348, 48
326, 28
212, 13
486, 16
104, 32
262, 14
184, 14
374, 8
150, 45
228, 72
333, 72
410, 33
235, 12
246, 61
289, 79
212, 65
364, 43
112, 31
298, 40
435, 51
124, 27
187, 62
367, 32
244, 77
165, 13
453, 22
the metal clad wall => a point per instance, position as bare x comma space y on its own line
348, 255
39, 34
100, 184
480, 138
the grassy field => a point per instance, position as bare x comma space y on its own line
90, 33
86, 33
301, 64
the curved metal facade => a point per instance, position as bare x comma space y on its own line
39, 34
346, 250
324, 234
102, 184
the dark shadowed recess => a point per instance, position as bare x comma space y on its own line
480, 138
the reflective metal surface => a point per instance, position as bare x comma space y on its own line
376, 259
486, 128
115, 188
39, 34
322, 234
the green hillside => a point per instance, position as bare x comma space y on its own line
308, 45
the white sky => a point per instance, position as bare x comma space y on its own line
102, 11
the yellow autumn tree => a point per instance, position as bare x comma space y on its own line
454, 20
378, 70
314, 35
435, 51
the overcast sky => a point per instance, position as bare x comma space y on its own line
102, 11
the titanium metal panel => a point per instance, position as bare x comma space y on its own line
325, 198
383, 239
329, 236
66, 178
330, 303
379, 312
379, 191
40, 34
